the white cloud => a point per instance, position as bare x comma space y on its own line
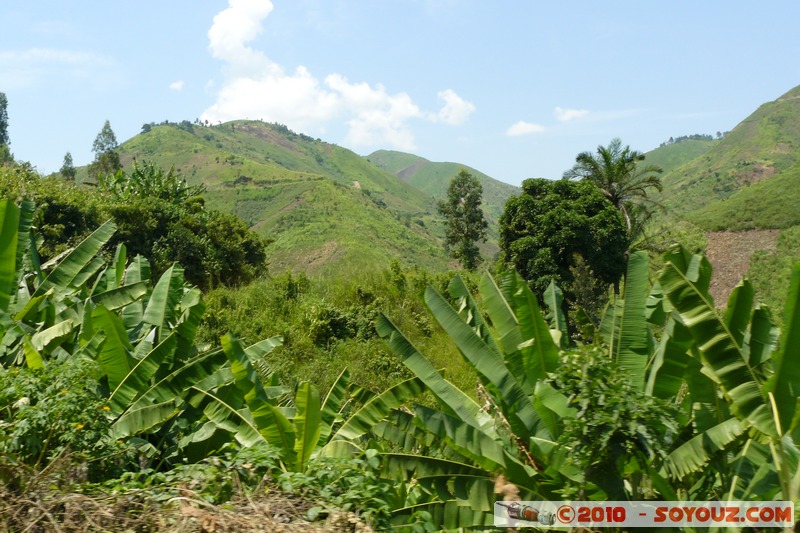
233, 28
297, 100
524, 128
456, 110
378, 116
176, 85
566, 114
257, 87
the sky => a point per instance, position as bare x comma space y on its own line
513, 88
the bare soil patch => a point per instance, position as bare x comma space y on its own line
757, 173
729, 253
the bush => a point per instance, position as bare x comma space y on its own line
58, 411
157, 216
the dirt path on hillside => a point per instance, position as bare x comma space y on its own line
729, 253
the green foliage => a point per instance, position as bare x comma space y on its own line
4, 139
147, 181
756, 375
466, 224
106, 155
105, 141
768, 204
67, 170
616, 425
328, 326
215, 248
770, 271
545, 229
707, 413
346, 484
113, 360
671, 156
621, 177
56, 411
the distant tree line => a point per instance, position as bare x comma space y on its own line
693, 137
189, 127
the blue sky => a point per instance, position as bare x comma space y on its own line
514, 89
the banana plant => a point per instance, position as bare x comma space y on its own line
456, 453
141, 335
715, 366
757, 378
45, 310
245, 400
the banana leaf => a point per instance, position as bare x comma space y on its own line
307, 424
75, 263
722, 356
454, 400
9, 239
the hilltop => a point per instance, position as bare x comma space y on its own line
433, 178
327, 209
742, 191
674, 155
760, 148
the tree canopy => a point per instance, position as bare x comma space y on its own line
106, 158
165, 225
554, 227
617, 172
466, 224
68, 171
4, 140
5, 151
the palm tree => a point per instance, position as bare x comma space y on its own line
616, 172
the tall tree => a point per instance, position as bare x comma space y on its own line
106, 158
68, 168
5, 150
617, 172
554, 230
4, 140
466, 224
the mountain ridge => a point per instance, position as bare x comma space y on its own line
326, 208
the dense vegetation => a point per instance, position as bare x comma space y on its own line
154, 375
157, 216
117, 363
464, 221
564, 232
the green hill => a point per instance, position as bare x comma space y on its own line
327, 209
742, 192
671, 156
433, 178
761, 147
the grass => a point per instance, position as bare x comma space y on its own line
671, 156
327, 209
764, 144
330, 326
771, 272
768, 204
